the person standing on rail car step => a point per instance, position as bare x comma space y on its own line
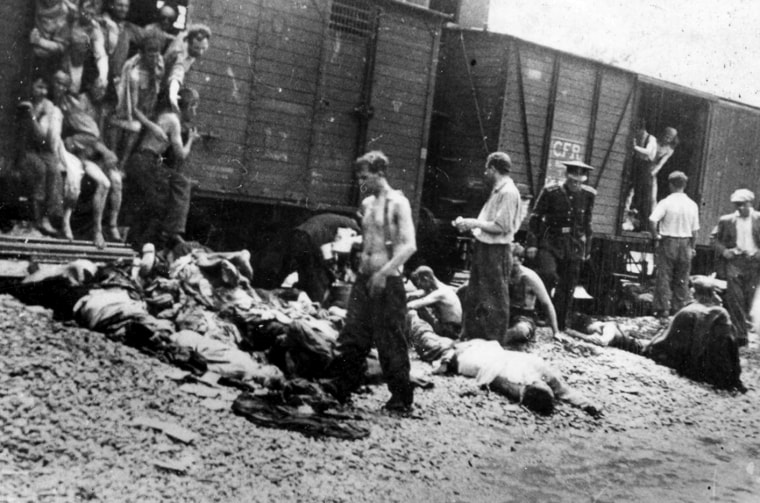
737, 243
377, 304
157, 188
674, 223
486, 302
559, 235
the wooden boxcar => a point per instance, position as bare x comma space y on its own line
292, 91
544, 106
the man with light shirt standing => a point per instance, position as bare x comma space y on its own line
674, 223
737, 243
486, 303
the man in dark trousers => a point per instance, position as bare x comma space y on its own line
559, 235
377, 306
486, 303
737, 243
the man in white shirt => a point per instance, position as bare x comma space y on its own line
674, 222
486, 304
737, 243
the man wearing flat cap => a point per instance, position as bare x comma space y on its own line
737, 244
559, 235
674, 223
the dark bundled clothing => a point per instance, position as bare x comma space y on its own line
271, 411
700, 343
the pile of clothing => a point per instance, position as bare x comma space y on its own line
198, 310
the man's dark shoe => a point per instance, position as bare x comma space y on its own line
397, 406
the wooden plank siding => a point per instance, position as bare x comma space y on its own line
281, 88
611, 143
733, 161
469, 98
402, 89
515, 80
16, 20
525, 111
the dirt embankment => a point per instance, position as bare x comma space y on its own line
73, 407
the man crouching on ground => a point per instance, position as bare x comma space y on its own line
377, 305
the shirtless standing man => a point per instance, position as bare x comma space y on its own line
441, 299
377, 306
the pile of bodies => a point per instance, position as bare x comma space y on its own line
108, 103
196, 309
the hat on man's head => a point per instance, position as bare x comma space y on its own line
577, 170
742, 196
678, 175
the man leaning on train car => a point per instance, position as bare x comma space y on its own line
559, 235
737, 243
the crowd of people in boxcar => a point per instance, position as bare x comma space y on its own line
108, 102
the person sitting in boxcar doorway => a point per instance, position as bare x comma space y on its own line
41, 162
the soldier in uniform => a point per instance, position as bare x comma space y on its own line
559, 235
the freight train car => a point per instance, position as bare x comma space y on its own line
545, 106
292, 91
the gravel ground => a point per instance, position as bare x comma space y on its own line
69, 399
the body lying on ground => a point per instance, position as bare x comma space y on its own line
699, 342
522, 377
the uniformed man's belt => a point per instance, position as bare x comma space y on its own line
560, 230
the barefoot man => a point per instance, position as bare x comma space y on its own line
377, 306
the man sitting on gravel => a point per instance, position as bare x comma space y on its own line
439, 303
700, 341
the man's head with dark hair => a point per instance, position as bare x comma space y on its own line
423, 278
499, 161
375, 161
119, 9
167, 16
188, 101
370, 172
518, 256
678, 180
61, 83
198, 37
